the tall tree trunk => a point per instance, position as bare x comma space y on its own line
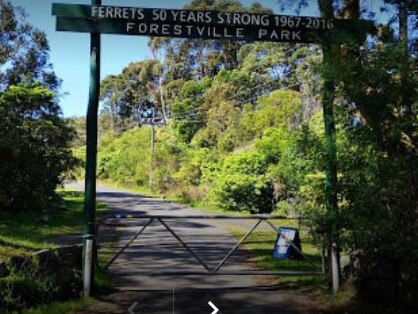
403, 22
406, 102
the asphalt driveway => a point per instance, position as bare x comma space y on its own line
156, 250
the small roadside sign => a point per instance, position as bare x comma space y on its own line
283, 248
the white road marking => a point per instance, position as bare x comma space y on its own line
213, 306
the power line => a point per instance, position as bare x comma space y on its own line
189, 121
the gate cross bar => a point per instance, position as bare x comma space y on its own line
215, 270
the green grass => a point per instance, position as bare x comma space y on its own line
60, 307
25, 232
107, 250
261, 244
22, 233
210, 207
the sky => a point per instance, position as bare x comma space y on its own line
70, 51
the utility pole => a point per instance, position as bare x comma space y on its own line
152, 147
152, 138
89, 232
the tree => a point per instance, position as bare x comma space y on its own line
195, 58
132, 93
23, 51
377, 110
34, 138
241, 184
385, 97
34, 147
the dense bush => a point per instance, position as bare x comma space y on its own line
126, 158
241, 184
28, 284
243, 192
34, 147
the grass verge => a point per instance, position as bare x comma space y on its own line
22, 233
60, 307
261, 244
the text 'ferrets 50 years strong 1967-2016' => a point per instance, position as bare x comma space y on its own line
193, 24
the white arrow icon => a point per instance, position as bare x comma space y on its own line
132, 308
213, 306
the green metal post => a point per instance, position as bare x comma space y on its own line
91, 161
331, 200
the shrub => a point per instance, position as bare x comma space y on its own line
243, 192
241, 184
34, 147
29, 283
